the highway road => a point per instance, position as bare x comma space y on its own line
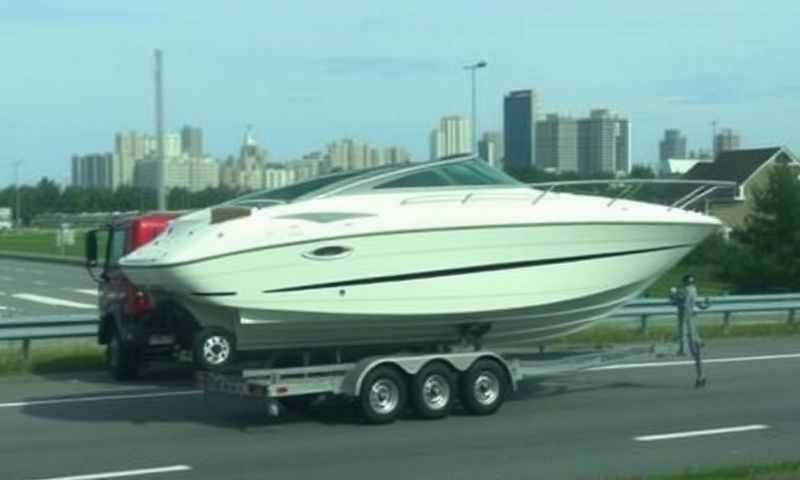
643, 418
36, 288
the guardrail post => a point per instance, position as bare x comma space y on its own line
26, 348
643, 324
726, 322
790, 320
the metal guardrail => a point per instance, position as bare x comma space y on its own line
45, 327
726, 306
27, 329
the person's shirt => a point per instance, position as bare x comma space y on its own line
689, 299
678, 297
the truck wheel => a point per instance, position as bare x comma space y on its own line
432, 391
214, 349
383, 395
122, 360
483, 387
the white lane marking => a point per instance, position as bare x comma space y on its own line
132, 396
754, 358
86, 291
52, 301
700, 433
40, 283
6, 279
124, 473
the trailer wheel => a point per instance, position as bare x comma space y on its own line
432, 391
483, 387
383, 395
122, 360
214, 349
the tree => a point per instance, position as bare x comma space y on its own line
642, 171
770, 238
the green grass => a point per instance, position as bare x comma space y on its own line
608, 334
777, 471
43, 242
707, 283
51, 359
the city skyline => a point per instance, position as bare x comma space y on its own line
351, 76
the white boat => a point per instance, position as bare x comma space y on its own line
431, 253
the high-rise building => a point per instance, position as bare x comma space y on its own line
604, 143
725, 140
192, 141
490, 148
94, 170
393, 155
348, 154
519, 129
557, 143
130, 147
451, 138
673, 145
191, 173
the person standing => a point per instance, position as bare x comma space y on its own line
689, 339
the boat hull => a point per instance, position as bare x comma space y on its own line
516, 284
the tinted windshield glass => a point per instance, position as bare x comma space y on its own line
473, 172
291, 192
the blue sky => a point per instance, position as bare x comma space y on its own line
307, 72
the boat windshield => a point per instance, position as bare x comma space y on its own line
307, 188
464, 173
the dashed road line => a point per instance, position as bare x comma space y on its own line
700, 433
100, 398
754, 358
52, 301
124, 473
86, 291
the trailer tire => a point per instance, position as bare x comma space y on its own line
432, 391
483, 387
383, 395
214, 349
122, 360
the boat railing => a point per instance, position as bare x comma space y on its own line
624, 189
627, 187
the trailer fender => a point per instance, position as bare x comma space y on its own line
410, 365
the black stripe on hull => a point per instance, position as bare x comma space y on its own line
470, 270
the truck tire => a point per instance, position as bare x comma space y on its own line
432, 391
214, 349
383, 395
122, 360
483, 387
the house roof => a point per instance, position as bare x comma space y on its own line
683, 165
733, 165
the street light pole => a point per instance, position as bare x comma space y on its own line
16, 191
472, 68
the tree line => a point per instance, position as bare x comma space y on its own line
48, 197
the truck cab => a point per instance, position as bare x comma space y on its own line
134, 328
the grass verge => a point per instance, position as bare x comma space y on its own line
46, 359
777, 471
43, 242
607, 334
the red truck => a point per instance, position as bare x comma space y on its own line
133, 326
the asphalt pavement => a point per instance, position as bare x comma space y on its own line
643, 418
37, 288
